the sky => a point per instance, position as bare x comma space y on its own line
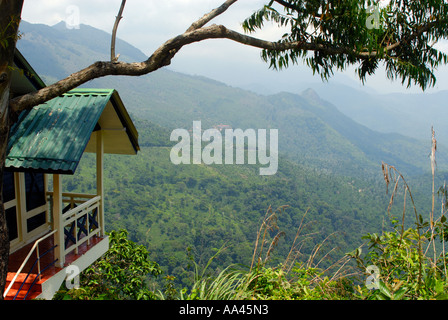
147, 24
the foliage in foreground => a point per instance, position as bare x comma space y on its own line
407, 263
400, 264
120, 274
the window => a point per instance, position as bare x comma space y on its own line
35, 190
8, 187
11, 220
9, 194
35, 221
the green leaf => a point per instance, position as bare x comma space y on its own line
384, 290
441, 296
400, 293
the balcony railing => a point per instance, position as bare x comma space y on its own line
80, 221
71, 200
80, 224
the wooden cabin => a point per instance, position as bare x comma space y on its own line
49, 229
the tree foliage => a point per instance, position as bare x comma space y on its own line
350, 32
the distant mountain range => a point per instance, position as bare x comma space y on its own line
312, 131
410, 114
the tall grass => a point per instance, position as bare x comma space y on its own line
408, 268
259, 281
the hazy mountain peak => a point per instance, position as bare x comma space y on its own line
60, 51
60, 25
311, 95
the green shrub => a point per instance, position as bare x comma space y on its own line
120, 274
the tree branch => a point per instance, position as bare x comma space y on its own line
420, 30
211, 15
113, 57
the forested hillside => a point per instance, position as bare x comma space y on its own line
174, 210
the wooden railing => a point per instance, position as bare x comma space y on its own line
79, 221
71, 200
80, 224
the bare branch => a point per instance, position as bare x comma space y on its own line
97, 70
211, 15
113, 57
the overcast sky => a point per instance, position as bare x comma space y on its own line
149, 23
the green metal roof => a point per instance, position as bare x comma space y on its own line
52, 136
